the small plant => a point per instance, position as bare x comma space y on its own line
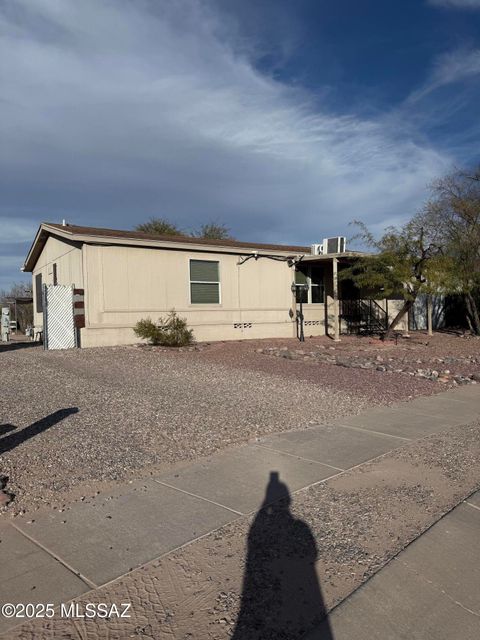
171, 331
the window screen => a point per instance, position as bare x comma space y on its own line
204, 282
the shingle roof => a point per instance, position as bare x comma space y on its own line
139, 235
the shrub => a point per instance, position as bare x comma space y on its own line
171, 331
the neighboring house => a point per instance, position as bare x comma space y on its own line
127, 275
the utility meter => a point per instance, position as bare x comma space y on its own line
5, 326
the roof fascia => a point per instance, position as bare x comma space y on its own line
178, 246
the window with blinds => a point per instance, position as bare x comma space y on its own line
204, 282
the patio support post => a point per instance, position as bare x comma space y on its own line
336, 324
429, 316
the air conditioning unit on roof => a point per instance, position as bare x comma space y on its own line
338, 244
316, 249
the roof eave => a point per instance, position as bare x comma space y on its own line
145, 242
45, 230
33, 253
329, 256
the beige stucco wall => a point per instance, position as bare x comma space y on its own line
125, 284
69, 269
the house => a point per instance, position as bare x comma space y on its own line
227, 290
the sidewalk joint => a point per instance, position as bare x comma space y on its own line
294, 455
65, 564
195, 495
376, 433
474, 506
436, 586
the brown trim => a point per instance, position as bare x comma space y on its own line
79, 321
138, 235
79, 304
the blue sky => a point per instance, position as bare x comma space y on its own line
283, 120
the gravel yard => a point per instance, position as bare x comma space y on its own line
74, 422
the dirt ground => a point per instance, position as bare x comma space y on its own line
75, 422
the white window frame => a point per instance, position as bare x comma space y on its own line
190, 282
309, 282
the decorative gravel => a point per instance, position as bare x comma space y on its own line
74, 422
105, 415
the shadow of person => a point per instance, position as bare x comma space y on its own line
7, 443
6, 428
281, 597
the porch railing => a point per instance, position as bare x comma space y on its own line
363, 316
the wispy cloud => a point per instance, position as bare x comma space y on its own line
451, 67
114, 111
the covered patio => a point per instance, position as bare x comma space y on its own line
335, 304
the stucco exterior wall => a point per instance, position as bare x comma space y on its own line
68, 259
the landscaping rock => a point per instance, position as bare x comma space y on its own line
361, 359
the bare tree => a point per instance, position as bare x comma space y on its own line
16, 297
454, 211
163, 227
213, 231
160, 227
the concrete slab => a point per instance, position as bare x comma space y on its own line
469, 393
450, 408
238, 478
475, 499
105, 537
333, 445
431, 590
396, 604
30, 574
404, 422
448, 555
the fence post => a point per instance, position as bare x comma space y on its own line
336, 324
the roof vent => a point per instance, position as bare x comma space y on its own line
64, 223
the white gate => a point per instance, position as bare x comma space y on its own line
58, 322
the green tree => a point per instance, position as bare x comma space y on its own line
409, 261
454, 212
160, 227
